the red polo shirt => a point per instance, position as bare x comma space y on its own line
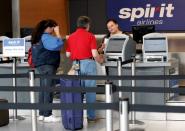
80, 43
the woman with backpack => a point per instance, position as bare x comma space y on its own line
46, 45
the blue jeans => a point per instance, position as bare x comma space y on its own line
46, 97
88, 67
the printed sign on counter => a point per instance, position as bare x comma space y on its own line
14, 47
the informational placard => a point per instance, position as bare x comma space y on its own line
14, 47
166, 15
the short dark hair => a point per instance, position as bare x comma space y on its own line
83, 21
112, 20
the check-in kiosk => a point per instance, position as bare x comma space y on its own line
122, 49
120, 46
155, 48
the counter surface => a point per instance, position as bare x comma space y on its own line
141, 64
18, 65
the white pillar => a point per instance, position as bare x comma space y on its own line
123, 109
108, 93
32, 99
16, 18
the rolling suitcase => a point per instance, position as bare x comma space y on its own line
71, 119
4, 114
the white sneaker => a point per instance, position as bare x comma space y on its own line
41, 118
51, 119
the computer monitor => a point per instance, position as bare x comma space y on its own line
27, 46
26, 31
27, 43
139, 31
1, 46
155, 45
115, 45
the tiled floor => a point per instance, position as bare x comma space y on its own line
149, 125
25, 125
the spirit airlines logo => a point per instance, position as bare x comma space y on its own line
149, 12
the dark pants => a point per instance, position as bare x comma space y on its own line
46, 97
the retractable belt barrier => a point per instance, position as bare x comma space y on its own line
114, 77
61, 106
99, 77
134, 107
121, 105
93, 89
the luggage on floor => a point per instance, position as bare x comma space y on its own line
71, 119
4, 114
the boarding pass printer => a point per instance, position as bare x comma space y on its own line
120, 46
155, 48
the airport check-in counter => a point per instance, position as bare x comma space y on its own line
160, 65
158, 68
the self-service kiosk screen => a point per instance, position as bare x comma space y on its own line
1, 47
115, 45
27, 45
155, 45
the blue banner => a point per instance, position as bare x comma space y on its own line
166, 15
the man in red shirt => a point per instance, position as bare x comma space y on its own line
82, 48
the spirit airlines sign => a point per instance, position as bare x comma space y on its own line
167, 15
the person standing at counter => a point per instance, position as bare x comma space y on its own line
82, 49
46, 45
113, 29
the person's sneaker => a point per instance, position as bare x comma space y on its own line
51, 119
41, 118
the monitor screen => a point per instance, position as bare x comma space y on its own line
1, 47
26, 31
115, 45
139, 31
27, 45
155, 45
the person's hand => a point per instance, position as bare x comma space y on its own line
101, 59
100, 50
57, 31
103, 46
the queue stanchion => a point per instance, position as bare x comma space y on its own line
108, 93
32, 99
133, 83
14, 84
123, 110
15, 116
119, 64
